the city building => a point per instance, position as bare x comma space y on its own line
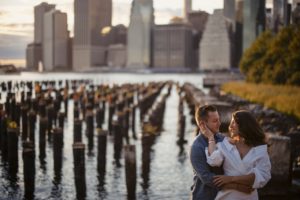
215, 46
280, 14
39, 12
89, 47
55, 41
139, 35
253, 21
187, 9
34, 51
33, 56
296, 15
173, 47
233, 13
116, 56
198, 20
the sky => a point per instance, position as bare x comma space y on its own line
16, 20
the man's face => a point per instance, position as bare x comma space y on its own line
213, 121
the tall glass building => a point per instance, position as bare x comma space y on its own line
253, 21
91, 16
139, 36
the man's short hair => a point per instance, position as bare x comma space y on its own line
202, 112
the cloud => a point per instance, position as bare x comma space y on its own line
13, 46
20, 29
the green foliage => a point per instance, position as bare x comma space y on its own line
284, 98
274, 59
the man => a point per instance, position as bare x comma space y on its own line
203, 188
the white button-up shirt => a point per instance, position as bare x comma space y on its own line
256, 161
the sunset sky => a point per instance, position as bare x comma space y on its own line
16, 20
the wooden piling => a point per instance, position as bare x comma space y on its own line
118, 140
133, 121
42, 137
77, 137
12, 144
181, 130
24, 114
130, 170
50, 113
79, 170
57, 152
101, 157
90, 129
31, 123
3, 132
29, 169
76, 111
111, 111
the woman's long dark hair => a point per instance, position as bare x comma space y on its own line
249, 128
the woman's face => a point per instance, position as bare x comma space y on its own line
233, 128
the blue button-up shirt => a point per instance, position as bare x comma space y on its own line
203, 188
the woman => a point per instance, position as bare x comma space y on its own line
245, 153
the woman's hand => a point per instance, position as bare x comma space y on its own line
205, 131
221, 180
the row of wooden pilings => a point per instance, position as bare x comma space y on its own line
42, 102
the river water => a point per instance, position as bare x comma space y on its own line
170, 175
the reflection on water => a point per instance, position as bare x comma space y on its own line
163, 167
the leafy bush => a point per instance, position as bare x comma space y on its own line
274, 59
283, 98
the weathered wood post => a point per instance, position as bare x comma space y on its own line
76, 110
77, 137
118, 139
50, 113
90, 127
79, 170
101, 157
133, 121
12, 143
29, 169
3, 132
57, 152
126, 116
24, 110
42, 137
130, 170
181, 129
111, 111
31, 123
147, 141
61, 120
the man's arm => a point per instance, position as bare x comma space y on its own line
201, 168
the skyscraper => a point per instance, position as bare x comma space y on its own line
279, 14
215, 46
229, 9
39, 12
55, 41
34, 50
91, 16
139, 37
173, 46
187, 8
253, 21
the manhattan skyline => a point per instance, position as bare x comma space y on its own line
16, 20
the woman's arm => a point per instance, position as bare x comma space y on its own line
262, 169
247, 180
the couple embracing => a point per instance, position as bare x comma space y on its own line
228, 167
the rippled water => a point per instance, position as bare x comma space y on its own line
170, 173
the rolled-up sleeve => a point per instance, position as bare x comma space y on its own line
262, 171
215, 159
200, 166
